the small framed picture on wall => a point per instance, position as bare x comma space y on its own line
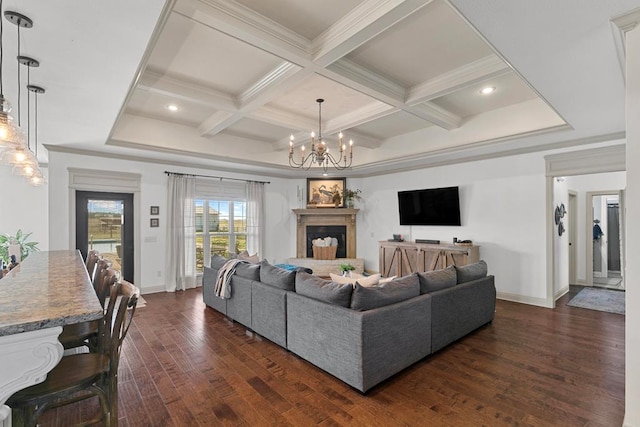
155, 210
155, 222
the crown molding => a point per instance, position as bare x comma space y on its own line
469, 74
620, 25
222, 164
595, 160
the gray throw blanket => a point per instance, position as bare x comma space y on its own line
223, 281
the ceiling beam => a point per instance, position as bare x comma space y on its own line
244, 24
154, 82
364, 22
279, 117
218, 122
469, 74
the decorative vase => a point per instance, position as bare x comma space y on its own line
349, 203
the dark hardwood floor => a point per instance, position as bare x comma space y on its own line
186, 365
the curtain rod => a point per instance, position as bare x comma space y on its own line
215, 177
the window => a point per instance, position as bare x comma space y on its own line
221, 228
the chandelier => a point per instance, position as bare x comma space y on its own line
319, 153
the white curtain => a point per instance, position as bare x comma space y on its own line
255, 218
181, 233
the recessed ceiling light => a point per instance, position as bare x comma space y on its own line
487, 90
172, 107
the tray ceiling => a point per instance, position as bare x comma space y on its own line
402, 78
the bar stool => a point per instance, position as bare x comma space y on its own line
92, 259
81, 376
86, 333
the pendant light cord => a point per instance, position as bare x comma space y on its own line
1, 48
19, 108
28, 106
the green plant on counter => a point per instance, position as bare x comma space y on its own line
346, 267
20, 238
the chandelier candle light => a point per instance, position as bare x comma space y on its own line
320, 152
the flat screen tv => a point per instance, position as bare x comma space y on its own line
432, 206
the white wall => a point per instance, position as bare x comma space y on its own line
280, 242
632, 329
502, 204
24, 207
582, 184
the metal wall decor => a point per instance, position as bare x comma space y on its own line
558, 214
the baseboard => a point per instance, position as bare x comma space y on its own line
540, 302
560, 293
152, 289
159, 288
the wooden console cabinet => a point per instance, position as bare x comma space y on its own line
402, 258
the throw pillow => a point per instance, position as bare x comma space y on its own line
379, 296
251, 258
248, 271
277, 277
470, 272
384, 280
217, 261
435, 280
366, 281
323, 290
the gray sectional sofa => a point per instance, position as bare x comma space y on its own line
360, 335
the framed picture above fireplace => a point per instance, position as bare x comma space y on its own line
325, 193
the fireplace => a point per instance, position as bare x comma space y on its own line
322, 231
330, 222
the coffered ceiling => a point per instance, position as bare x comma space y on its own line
401, 78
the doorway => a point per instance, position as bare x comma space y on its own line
606, 248
105, 222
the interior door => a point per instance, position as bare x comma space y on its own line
104, 222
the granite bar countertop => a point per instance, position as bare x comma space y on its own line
47, 289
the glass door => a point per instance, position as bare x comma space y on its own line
104, 222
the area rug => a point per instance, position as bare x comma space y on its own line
599, 299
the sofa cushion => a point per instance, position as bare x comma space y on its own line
470, 272
323, 290
364, 298
366, 281
277, 277
248, 270
217, 261
431, 281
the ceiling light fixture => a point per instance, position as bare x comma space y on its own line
37, 178
172, 107
320, 152
487, 90
10, 134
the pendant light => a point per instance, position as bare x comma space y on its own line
19, 154
24, 161
10, 134
37, 178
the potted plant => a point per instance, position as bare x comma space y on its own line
346, 269
20, 238
350, 195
